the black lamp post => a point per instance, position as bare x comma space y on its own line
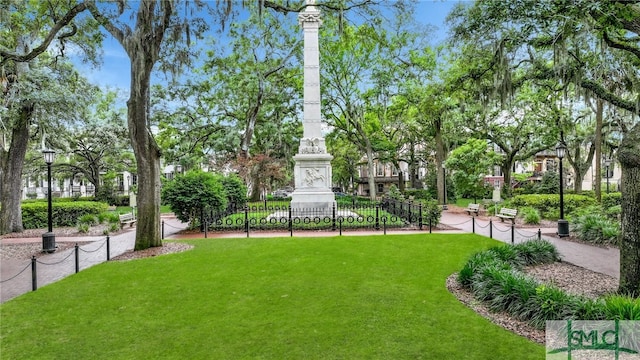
607, 163
444, 187
48, 238
563, 225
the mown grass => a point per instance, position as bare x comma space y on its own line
377, 297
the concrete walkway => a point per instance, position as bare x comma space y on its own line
16, 275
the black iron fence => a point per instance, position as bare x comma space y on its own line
388, 213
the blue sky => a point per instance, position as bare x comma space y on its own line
114, 71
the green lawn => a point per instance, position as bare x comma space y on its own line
377, 297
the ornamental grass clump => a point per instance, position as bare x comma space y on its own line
619, 307
536, 252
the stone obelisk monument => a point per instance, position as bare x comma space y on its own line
312, 172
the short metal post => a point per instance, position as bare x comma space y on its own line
290, 223
377, 217
420, 216
409, 206
539, 234
108, 248
205, 228
473, 225
384, 224
490, 229
77, 248
429, 224
246, 220
513, 233
333, 219
163, 229
34, 274
340, 226
265, 203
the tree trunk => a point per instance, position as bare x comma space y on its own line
12, 163
598, 144
440, 158
629, 158
401, 181
372, 173
147, 154
506, 173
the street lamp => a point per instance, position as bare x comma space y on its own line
607, 163
48, 238
563, 225
444, 187
178, 169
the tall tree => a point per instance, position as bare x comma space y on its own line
38, 87
590, 45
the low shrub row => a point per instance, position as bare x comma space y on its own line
548, 205
495, 277
66, 213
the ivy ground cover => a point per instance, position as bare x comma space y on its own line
377, 297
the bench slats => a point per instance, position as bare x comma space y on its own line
473, 208
506, 213
127, 219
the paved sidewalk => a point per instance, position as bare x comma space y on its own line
16, 279
599, 259
16, 275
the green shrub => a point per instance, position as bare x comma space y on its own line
547, 204
475, 263
394, 193
88, 219
554, 304
83, 228
508, 254
535, 252
614, 212
430, 210
530, 215
34, 214
235, 189
418, 194
618, 307
188, 194
611, 199
597, 229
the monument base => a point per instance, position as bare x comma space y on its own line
312, 203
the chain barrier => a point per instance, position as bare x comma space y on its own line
16, 275
56, 263
483, 227
525, 235
505, 230
92, 251
456, 224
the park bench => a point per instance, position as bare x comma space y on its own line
506, 213
473, 209
127, 219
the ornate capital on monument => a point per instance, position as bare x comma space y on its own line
309, 17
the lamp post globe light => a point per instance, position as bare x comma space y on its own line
563, 225
607, 163
48, 238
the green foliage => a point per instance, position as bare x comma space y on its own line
394, 193
83, 228
34, 215
597, 229
417, 194
431, 210
611, 200
235, 189
536, 252
188, 194
550, 183
88, 219
547, 204
530, 215
622, 307
552, 303
470, 162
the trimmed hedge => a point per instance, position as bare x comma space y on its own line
64, 213
548, 204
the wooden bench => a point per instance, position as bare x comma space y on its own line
127, 219
506, 213
473, 209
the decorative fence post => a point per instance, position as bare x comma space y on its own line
333, 219
77, 258
513, 233
420, 216
109, 247
377, 217
34, 274
290, 223
409, 217
162, 229
539, 234
473, 225
246, 220
490, 229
